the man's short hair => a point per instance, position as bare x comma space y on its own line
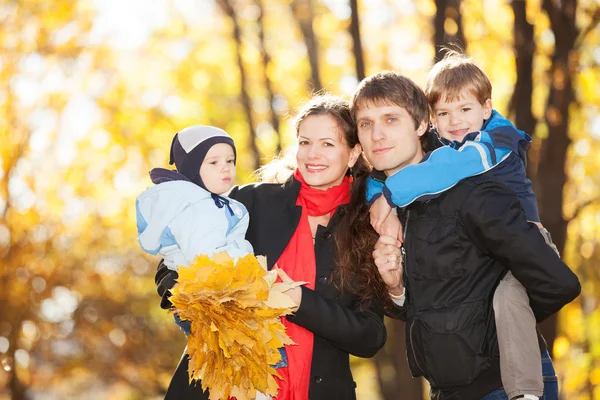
454, 74
391, 88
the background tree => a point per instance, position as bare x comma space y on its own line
229, 10
357, 50
304, 14
520, 104
448, 27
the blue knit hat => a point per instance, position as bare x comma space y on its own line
189, 148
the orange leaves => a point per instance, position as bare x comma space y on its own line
236, 333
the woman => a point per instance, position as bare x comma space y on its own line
293, 225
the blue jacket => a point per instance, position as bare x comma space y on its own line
179, 220
499, 146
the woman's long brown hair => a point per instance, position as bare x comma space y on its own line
355, 239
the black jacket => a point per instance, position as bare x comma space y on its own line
458, 246
339, 325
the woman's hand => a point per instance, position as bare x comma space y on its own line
387, 258
379, 212
294, 293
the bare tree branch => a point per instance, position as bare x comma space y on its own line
582, 206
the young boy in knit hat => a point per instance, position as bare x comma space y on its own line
185, 214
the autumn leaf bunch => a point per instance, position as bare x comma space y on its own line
234, 310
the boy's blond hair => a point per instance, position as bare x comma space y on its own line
454, 74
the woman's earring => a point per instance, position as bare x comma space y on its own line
351, 175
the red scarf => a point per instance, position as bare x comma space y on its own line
298, 261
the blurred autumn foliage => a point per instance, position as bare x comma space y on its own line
93, 90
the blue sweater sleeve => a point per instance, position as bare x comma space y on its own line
441, 170
374, 189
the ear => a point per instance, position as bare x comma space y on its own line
423, 128
354, 154
487, 109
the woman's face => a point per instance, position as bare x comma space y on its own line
323, 156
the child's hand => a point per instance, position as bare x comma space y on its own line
294, 293
392, 227
379, 212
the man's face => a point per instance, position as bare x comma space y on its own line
455, 119
388, 137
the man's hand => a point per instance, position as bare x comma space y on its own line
379, 212
392, 227
387, 258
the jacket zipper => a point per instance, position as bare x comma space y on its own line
405, 263
412, 346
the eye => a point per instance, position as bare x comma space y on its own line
466, 109
230, 162
328, 144
364, 124
213, 163
392, 120
303, 142
442, 114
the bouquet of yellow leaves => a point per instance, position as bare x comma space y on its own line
234, 311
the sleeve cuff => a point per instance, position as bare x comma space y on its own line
399, 300
374, 198
388, 196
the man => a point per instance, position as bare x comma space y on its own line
457, 246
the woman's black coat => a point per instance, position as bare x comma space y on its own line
340, 325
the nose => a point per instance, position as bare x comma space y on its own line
455, 118
313, 152
378, 133
225, 167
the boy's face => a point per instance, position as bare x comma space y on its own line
455, 119
388, 136
218, 168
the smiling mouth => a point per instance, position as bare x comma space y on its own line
459, 132
315, 168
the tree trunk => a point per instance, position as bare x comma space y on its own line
392, 367
551, 172
521, 101
266, 60
303, 13
356, 41
228, 9
447, 9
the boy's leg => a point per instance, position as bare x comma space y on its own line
520, 359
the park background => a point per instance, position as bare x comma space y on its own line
92, 92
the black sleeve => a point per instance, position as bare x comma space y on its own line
357, 331
396, 311
164, 280
493, 218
